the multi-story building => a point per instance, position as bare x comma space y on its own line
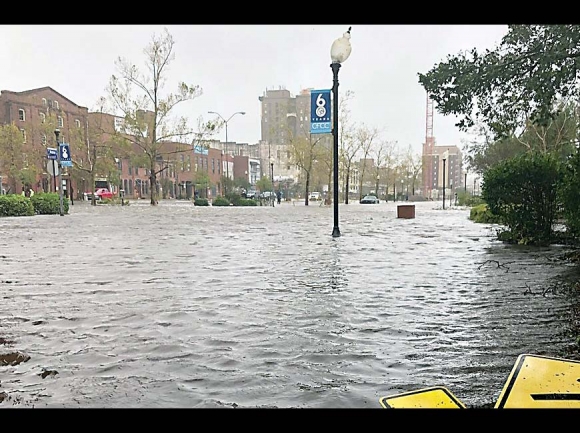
453, 167
37, 113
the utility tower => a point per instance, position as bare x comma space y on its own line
428, 150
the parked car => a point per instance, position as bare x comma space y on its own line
100, 193
251, 193
314, 196
267, 195
370, 199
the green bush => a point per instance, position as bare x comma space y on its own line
465, 198
481, 214
246, 202
48, 203
15, 205
523, 192
201, 202
570, 196
221, 201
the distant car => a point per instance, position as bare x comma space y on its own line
370, 199
314, 196
100, 193
267, 195
251, 193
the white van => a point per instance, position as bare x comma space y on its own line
314, 196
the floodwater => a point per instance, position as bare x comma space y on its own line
204, 307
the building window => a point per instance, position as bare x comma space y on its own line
42, 117
23, 135
189, 163
136, 170
60, 122
43, 139
21, 114
44, 102
78, 123
55, 104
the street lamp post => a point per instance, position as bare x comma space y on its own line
465, 183
272, 178
57, 134
445, 155
377, 188
339, 52
226, 145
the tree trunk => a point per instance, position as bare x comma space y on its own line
307, 188
153, 188
347, 187
93, 198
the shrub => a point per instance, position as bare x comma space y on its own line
221, 201
481, 214
246, 202
48, 203
523, 192
465, 198
15, 205
201, 202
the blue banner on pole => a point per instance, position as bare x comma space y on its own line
65, 157
320, 112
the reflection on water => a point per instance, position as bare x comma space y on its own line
182, 306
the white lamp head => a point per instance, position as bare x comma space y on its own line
341, 48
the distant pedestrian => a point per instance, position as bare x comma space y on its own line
279, 196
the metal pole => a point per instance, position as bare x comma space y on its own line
335, 67
57, 133
443, 183
54, 171
227, 163
272, 177
465, 183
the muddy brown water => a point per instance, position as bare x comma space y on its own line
183, 306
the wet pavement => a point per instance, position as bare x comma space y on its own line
183, 306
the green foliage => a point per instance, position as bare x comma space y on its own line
242, 182
570, 194
221, 201
465, 198
48, 203
522, 191
481, 214
264, 184
15, 205
532, 68
201, 202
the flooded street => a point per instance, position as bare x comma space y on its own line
183, 306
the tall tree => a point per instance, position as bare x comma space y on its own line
365, 136
414, 163
147, 115
532, 69
12, 156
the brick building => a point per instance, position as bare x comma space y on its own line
37, 113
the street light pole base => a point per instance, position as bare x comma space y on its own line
335, 232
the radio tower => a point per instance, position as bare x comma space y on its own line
428, 150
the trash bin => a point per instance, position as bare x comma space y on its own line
406, 211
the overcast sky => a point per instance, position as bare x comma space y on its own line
235, 64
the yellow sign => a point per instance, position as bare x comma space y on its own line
541, 382
429, 398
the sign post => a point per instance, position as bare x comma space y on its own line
320, 112
52, 155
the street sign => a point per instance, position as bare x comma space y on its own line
52, 168
320, 112
541, 382
65, 157
436, 397
51, 153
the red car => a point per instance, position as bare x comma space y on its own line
100, 193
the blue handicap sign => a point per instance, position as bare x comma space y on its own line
65, 157
320, 112
51, 153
